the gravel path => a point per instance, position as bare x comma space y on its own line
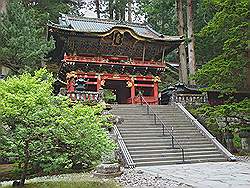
143, 179
129, 178
223, 174
243, 159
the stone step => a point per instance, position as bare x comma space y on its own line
127, 112
155, 163
150, 134
155, 127
141, 123
163, 106
142, 126
164, 109
166, 143
140, 152
145, 109
152, 125
169, 158
164, 147
187, 154
121, 105
153, 137
169, 149
140, 113
174, 156
157, 130
147, 133
126, 108
151, 122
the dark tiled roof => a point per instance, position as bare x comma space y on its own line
82, 24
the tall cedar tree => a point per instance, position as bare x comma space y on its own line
22, 42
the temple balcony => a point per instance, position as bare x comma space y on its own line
110, 60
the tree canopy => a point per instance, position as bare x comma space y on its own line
22, 42
43, 133
225, 47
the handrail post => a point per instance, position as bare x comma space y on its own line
163, 129
172, 141
172, 134
155, 119
147, 109
182, 151
141, 99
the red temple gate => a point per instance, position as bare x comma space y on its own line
125, 57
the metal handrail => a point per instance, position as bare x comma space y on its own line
213, 139
164, 127
124, 151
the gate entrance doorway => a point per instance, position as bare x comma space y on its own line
119, 89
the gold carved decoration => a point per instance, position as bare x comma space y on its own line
157, 79
117, 38
129, 84
70, 75
116, 76
102, 82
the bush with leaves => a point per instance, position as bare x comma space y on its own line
220, 119
47, 134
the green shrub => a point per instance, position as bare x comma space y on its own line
45, 133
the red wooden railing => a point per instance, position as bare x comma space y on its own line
85, 96
116, 60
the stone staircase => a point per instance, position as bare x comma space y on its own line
148, 146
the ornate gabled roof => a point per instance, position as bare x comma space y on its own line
93, 25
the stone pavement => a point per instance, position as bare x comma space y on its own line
219, 174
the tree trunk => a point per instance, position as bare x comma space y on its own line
183, 75
26, 163
116, 10
3, 6
191, 54
130, 10
97, 5
122, 11
111, 10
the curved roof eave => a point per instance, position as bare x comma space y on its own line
165, 39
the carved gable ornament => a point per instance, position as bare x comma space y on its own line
117, 38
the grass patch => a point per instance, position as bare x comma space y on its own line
77, 184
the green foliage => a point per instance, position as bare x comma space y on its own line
22, 45
45, 133
226, 37
109, 96
224, 117
49, 9
161, 15
237, 141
